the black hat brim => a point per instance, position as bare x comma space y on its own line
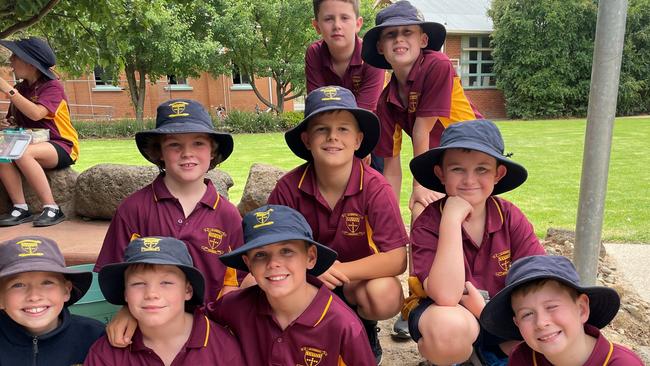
435, 31
325, 256
111, 280
14, 48
368, 124
497, 315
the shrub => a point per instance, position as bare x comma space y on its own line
116, 128
291, 119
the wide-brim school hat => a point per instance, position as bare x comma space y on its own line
497, 315
480, 135
333, 98
272, 224
35, 52
151, 250
39, 254
177, 116
399, 14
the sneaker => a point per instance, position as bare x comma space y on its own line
50, 216
401, 330
373, 338
17, 216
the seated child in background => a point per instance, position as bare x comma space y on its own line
559, 320
38, 101
289, 317
160, 286
465, 241
181, 203
350, 208
36, 289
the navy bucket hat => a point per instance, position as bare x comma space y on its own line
271, 224
39, 254
151, 250
35, 52
178, 116
496, 317
480, 135
399, 14
333, 98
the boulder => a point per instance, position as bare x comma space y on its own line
261, 181
101, 188
62, 183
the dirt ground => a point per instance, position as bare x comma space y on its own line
629, 328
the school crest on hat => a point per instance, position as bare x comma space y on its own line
29, 247
178, 109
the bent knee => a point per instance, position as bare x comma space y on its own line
380, 298
448, 334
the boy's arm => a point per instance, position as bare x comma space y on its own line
446, 280
370, 88
393, 174
386, 264
313, 69
120, 329
421, 131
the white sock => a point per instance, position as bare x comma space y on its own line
21, 205
54, 206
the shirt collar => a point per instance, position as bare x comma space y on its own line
308, 183
199, 336
356, 59
210, 198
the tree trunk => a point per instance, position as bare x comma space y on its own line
136, 90
279, 92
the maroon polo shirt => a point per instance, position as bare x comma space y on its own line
208, 344
213, 228
605, 353
327, 333
365, 221
508, 236
51, 95
365, 81
434, 89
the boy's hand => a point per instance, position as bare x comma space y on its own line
333, 277
121, 328
457, 209
423, 196
473, 300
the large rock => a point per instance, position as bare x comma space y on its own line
102, 188
261, 181
62, 183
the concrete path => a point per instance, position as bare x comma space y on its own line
633, 261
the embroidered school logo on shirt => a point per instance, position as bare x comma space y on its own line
215, 236
150, 245
356, 83
178, 108
263, 218
413, 101
330, 93
353, 224
504, 262
313, 356
30, 247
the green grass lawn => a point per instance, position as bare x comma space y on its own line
550, 150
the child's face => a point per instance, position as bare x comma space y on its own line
402, 45
280, 269
22, 69
157, 295
186, 156
333, 138
337, 23
469, 174
550, 320
35, 299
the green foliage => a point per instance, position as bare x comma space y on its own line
543, 51
16, 16
292, 118
117, 128
634, 89
251, 122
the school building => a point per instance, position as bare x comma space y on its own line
467, 45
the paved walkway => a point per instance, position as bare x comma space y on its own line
80, 242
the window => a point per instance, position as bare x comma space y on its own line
240, 81
477, 65
100, 83
177, 83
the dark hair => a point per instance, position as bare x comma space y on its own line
154, 150
536, 285
317, 3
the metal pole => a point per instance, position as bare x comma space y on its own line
605, 72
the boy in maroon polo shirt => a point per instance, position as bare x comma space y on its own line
464, 242
349, 207
158, 282
559, 320
289, 317
336, 58
180, 202
424, 95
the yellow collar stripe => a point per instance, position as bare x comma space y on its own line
329, 302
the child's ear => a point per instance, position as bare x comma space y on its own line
314, 23
189, 290
67, 286
359, 25
380, 48
437, 170
583, 304
424, 40
312, 256
246, 261
359, 140
501, 172
304, 136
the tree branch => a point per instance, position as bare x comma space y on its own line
28, 22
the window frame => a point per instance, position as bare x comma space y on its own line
105, 85
239, 85
465, 62
185, 85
